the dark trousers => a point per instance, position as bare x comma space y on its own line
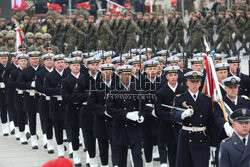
32, 123
90, 142
21, 119
104, 152
58, 127
170, 153
3, 111
49, 128
74, 139
11, 106
136, 155
46, 122
148, 143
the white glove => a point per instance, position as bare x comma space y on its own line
2, 85
213, 149
105, 112
133, 115
153, 113
186, 113
141, 119
33, 84
228, 129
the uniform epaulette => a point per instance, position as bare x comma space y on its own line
245, 97
178, 95
225, 140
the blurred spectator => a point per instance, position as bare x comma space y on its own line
204, 10
94, 8
140, 6
214, 7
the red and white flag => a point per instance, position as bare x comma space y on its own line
114, 8
19, 39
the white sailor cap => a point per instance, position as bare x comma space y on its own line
231, 81
87, 55
160, 59
75, 60
66, 59
180, 55
162, 53
134, 61
144, 50
109, 54
150, 63
197, 60
143, 57
48, 56
76, 53
58, 57
34, 54
118, 59
221, 66
199, 54
22, 56
194, 75
134, 51
125, 68
172, 59
233, 60
93, 60
14, 54
127, 55
106, 66
171, 69
218, 56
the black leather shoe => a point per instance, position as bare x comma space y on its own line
78, 165
65, 148
17, 138
157, 159
45, 146
50, 151
24, 143
87, 165
6, 134
12, 132
35, 147
71, 155
28, 135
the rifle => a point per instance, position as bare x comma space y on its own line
64, 37
125, 34
56, 37
97, 34
157, 31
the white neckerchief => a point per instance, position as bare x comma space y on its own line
50, 70
159, 75
126, 87
61, 73
94, 76
241, 138
35, 68
235, 101
152, 81
135, 76
108, 84
76, 76
173, 88
181, 70
194, 94
16, 65
223, 86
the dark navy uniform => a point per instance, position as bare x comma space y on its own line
168, 128
52, 87
3, 104
193, 139
151, 124
102, 123
73, 107
244, 84
46, 121
10, 91
25, 79
127, 131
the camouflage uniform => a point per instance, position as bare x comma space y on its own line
29, 36
179, 33
160, 33
1, 39
47, 39
197, 37
104, 33
120, 28
130, 35
38, 42
10, 46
